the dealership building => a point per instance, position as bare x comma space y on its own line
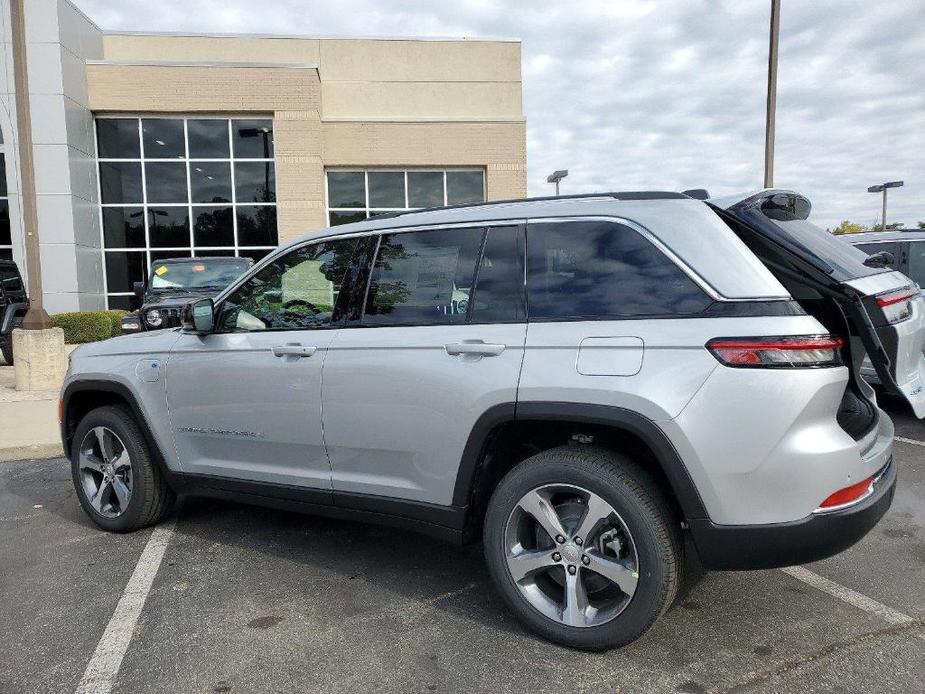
149, 146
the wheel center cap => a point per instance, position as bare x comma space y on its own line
571, 552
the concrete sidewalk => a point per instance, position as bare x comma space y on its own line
28, 420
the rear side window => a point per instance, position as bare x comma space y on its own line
9, 279
917, 262
600, 269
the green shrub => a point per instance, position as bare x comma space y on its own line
84, 326
115, 317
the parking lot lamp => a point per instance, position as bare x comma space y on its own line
882, 188
557, 176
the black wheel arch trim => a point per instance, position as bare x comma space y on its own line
632, 422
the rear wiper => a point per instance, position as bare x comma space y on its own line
881, 259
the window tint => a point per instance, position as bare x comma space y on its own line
423, 277
597, 269
916, 262
296, 292
499, 288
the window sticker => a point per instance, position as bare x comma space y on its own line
199, 268
161, 271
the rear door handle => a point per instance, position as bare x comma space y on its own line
293, 350
476, 347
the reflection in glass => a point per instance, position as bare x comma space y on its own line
123, 268
256, 225
346, 189
425, 188
464, 187
210, 181
253, 139
168, 227
163, 138
6, 236
338, 218
123, 227
3, 192
386, 189
208, 138
165, 181
213, 226
254, 181
120, 182
117, 138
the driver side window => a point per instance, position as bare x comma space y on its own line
296, 292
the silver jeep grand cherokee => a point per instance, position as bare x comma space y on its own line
591, 385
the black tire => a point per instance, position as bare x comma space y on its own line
151, 499
634, 495
6, 351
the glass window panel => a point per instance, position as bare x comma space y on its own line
253, 139
256, 225
463, 187
208, 138
917, 262
425, 188
338, 218
123, 227
254, 181
165, 181
499, 290
123, 269
423, 277
254, 254
3, 191
215, 253
386, 189
603, 270
298, 291
122, 303
163, 138
213, 226
120, 182
167, 255
346, 189
210, 181
117, 138
168, 227
6, 235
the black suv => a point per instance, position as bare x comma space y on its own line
175, 282
13, 306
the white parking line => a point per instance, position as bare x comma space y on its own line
914, 442
852, 597
104, 665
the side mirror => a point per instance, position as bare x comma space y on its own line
198, 316
138, 288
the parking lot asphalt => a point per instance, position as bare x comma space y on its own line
254, 600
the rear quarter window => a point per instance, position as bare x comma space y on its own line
599, 270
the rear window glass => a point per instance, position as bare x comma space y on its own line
916, 268
599, 269
9, 280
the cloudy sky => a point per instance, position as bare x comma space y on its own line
667, 94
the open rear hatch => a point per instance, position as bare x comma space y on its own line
881, 310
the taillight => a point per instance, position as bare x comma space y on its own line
777, 352
897, 305
848, 495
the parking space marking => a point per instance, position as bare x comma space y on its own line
107, 658
914, 442
852, 597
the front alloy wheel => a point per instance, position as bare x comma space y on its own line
105, 471
571, 555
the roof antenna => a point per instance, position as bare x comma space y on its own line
696, 193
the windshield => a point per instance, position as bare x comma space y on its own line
199, 274
783, 217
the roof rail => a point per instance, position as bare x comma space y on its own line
626, 195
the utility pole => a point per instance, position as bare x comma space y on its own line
36, 318
772, 96
883, 188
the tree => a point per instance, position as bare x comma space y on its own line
847, 227
921, 225
889, 227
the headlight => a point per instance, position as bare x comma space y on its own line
154, 318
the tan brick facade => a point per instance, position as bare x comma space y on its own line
386, 104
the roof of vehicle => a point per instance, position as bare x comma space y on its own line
892, 235
681, 223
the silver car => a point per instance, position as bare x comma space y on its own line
591, 385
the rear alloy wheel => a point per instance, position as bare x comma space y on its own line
583, 547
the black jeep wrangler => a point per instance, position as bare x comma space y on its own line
175, 282
13, 306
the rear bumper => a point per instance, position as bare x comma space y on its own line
742, 547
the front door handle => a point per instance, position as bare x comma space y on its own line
293, 350
476, 347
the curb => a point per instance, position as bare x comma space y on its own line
37, 451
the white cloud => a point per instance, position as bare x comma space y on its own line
667, 94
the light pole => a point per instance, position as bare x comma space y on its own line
557, 176
882, 188
772, 96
